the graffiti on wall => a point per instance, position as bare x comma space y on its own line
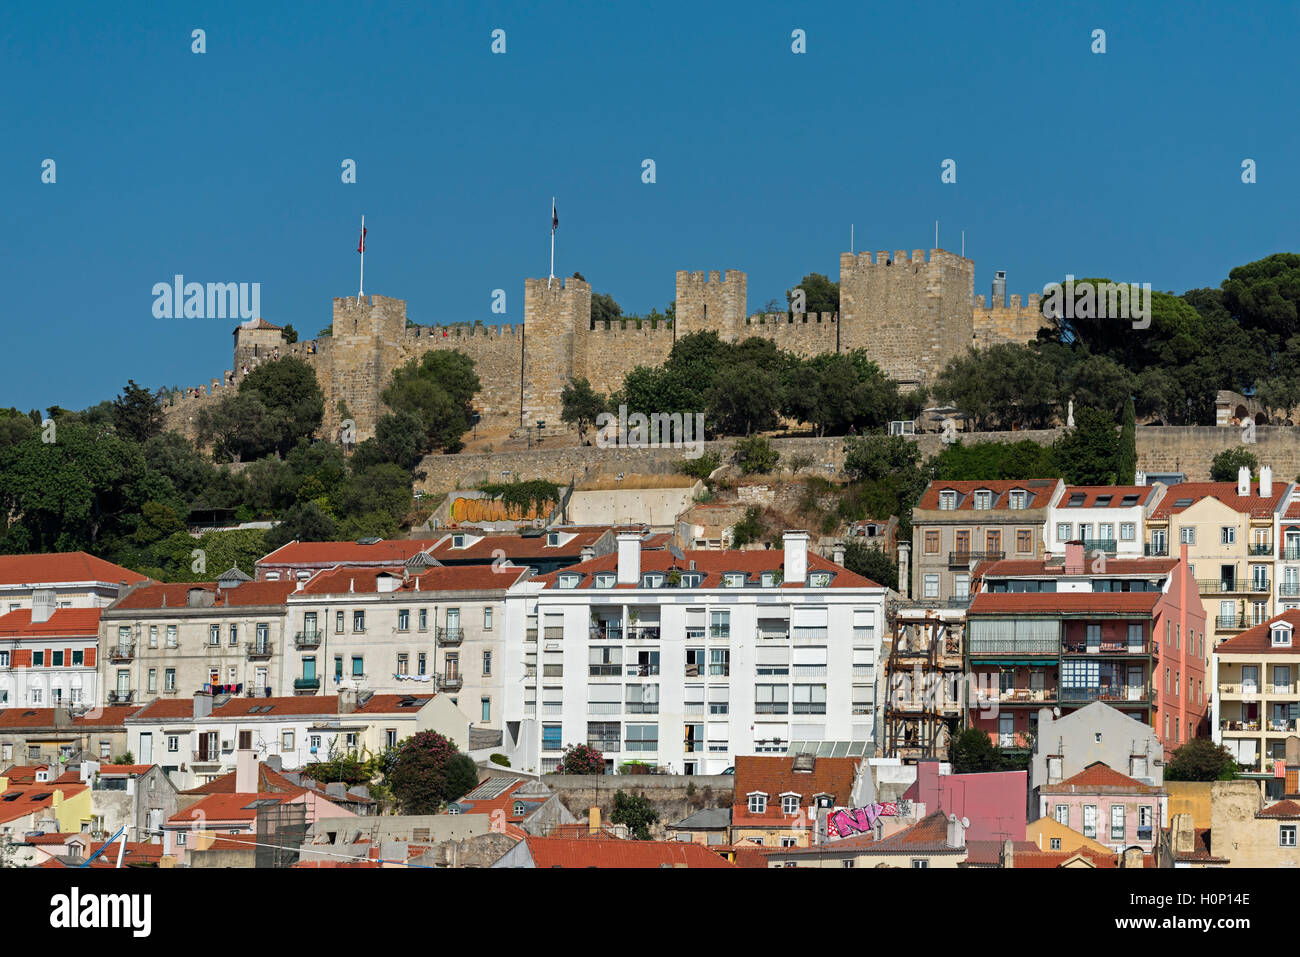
490, 510
845, 822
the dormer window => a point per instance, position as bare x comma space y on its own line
569, 580
758, 803
458, 541
553, 539
947, 500
1281, 636
824, 800
652, 580
605, 580
733, 580
789, 803
520, 808
983, 500
1018, 498
819, 580
768, 579
691, 579
1077, 499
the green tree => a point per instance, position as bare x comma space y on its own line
743, 399
136, 413
581, 759
580, 404
1226, 464
1005, 386
303, 523
462, 776
1126, 456
871, 562
982, 461
1200, 759
749, 528
1088, 453
636, 812
755, 454
437, 389
290, 334
973, 751
820, 294
420, 779
604, 309
291, 399
880, 456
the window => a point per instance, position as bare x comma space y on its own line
932, 542
790, 842
403, 663
403, 619
847, 862
920, 863
56, 659
286, 740
1064, 531
173, 743
105, 749
180, 838
1127, 532
758, 803
214, 634
931, 586
569, 580
487, 619
1056, 843
338, 622
421, 663
1227, 535
789, 804
1024, 540
358, 666
1286, 835
234, 635
153, 636
487, 662
153, 680
424, 619
720, 624
38, 659
1186, 535
1117, 822
390, 737
485, 708
169, 679
1017, 498
809, 699
772, 699
604, 580
1281, 636
733, 580
551, 737
643, 737
983, 500
358, 621
947, 500
1090, 820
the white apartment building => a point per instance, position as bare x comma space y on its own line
1108, 519
1286, 534
685, 660
77, 579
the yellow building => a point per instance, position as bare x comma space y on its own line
1048, 834
1256, 675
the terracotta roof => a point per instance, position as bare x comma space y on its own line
50, 837
105, 717
72, 622
120, 770
989, 853
137, 854
503, 802
343, 580
565, 852
1141, 603
751, 855
1254, 504
246, 595
1201, 849
344, 553
775, 775
23, 773
518, 546
1282, 809
711, 564
228, 807
63, 567
1258, 639
267, 781
18, 802
1100, 778
1116, 492
298, 705
1055, 568
928, 835
1040, 493
258, 323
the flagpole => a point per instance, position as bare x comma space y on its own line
361, 289
548, 282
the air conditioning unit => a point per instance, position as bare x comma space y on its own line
227, 745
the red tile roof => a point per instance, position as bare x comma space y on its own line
1116, 492
503, 802
228, 807
43, 718
1201, 851
1100, 778
1055, 568
18, 802
343, 580
928, 836
62, 568
518, 546
69, 622
176, 596
1040, 494
775, 775
563, 852
345, 553
1254, 504
120, 770
137, 854
711, 564
1258, 639
989, 853
1282, 809
23, 773
1130, 603
297, 705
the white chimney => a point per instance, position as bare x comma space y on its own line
1243, 481
245, 771
1266, 481
43, 605
629, 558
796, 556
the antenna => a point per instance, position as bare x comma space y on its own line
850, 237
936, 234
963, 244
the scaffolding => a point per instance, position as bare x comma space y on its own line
924, 684
281, 831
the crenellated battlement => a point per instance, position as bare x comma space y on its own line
900, 257
464, 330
788, 319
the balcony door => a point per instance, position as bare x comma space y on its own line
962, 539
1250, 679
1135, 683
453, 622
1006, 730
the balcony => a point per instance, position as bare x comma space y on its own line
642, 671
1289, 589
1236, 622
1105, 647
258, 649
1156, 549
1238, 690
306, 684
1290, 552
1239, 725
1118, 694
307, 640
963, 559
1010, 646
606, 631
1257, 548
1229, 586
122, 651
605, 671
449, 682
121, 696
1024, 696
451, 637
643, 633
1108, 545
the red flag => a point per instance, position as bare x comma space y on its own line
362, 246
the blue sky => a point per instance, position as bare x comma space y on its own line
225, 166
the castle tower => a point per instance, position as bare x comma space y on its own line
553, 310
715, 302
911, 316
255, 341
365, 345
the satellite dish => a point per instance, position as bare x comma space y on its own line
965, 822
677, 553
1056, 712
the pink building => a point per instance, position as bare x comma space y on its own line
994, 802
1109, 807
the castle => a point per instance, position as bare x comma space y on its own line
910, 314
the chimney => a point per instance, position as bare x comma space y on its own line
1243, 481
1008, 853
957, 831
62, 718
587, 553
1140, 478
1184, 837
1133, 857
593, 820
245, 771
43, 605
837, 553
796, 556
998, 299
1074, 558
347, 700
905, 569
1266, 481
202, 705
629, 558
